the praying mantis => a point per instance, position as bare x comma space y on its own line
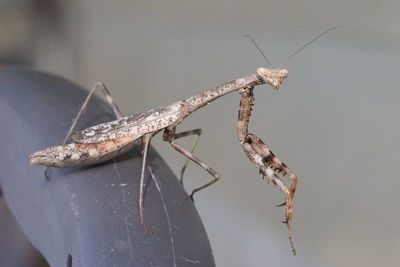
105, 141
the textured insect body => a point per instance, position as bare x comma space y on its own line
108, 140
82, 154
105, 141
133, 126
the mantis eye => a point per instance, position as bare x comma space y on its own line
284, 73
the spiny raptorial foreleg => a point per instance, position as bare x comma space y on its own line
263, 158
269, 161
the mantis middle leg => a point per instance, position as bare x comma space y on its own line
170, 136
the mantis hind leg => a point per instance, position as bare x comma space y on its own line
97, 85
146, 142
110, 101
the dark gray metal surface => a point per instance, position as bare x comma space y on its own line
89, 213
15, 248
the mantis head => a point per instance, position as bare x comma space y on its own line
274, 77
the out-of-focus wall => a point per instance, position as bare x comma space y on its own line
334, 121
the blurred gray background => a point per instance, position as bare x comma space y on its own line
334, 121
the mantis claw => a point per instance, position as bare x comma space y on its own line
281, 205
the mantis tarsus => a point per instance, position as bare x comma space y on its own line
108, 140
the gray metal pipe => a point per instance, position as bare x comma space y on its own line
88, 216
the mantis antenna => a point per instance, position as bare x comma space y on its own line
259, 49
301, 48
297, 51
